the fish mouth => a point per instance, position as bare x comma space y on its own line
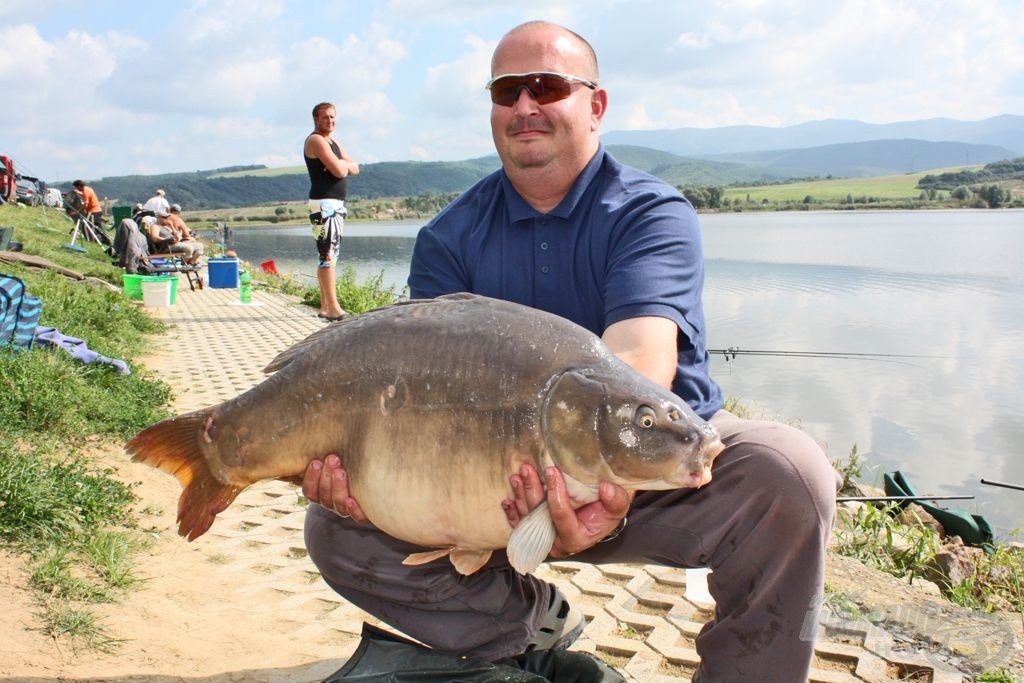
693, 477
713, 449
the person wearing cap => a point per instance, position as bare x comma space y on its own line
157, 203
185, 237
164, 237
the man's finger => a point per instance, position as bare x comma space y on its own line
327, 488
522, 506
311, 480
616, 500
354, 510
533, 488
562, 514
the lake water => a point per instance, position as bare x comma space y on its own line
943, 290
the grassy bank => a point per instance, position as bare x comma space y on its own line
72, 518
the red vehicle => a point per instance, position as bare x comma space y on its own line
8, 179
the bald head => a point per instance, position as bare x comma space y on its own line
555, 47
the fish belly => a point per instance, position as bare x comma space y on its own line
437, 487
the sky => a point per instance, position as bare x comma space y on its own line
109, 88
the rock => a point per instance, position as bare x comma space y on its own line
914, 515
955, 562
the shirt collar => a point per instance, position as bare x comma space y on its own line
519, 209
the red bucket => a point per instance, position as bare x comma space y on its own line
270, 267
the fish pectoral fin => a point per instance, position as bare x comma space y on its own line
428, 556
531, 540
467, 562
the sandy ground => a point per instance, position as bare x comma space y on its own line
240, 604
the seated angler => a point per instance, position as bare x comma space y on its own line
186, 239
162, 237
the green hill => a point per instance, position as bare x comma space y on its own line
240, 186
245, 186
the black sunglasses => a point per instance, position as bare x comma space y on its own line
544, 86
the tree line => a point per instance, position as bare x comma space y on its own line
215, 190
979, 187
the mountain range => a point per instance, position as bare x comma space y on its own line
1006, 131
732, 155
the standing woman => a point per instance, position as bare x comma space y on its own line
329, 167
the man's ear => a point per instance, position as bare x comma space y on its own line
598, 106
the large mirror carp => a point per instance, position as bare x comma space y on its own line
432, 405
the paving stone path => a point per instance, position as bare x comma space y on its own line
640, 618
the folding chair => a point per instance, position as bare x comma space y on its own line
169, 262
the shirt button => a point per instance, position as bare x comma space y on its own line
544, 269
544, 246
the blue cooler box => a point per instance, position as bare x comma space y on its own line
223, 272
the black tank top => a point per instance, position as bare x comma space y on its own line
322, 183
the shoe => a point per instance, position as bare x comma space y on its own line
561, 626
331, 318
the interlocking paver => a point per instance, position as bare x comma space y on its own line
639, 617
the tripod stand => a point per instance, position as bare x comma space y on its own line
85, 227
90, 232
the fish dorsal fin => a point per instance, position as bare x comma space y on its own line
467, 562
428, 556
288, 355
531, 540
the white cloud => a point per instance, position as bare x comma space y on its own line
102, 91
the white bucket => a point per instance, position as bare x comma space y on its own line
156, 294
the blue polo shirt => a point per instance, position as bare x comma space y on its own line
621, 244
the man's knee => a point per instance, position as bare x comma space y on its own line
788, 465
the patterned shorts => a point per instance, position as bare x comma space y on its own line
327, 216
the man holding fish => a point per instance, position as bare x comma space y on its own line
565, 228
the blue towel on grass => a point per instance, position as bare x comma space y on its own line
77, 348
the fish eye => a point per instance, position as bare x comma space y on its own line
645, 417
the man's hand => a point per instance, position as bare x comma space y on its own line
578, 529
326, 482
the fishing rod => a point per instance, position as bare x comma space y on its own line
1003, 484
731, 352
884, 499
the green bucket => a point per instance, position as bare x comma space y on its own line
133, 285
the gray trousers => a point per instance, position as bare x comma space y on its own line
761, 525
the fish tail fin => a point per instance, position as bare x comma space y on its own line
173, 447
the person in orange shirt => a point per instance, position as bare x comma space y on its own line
90, 203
